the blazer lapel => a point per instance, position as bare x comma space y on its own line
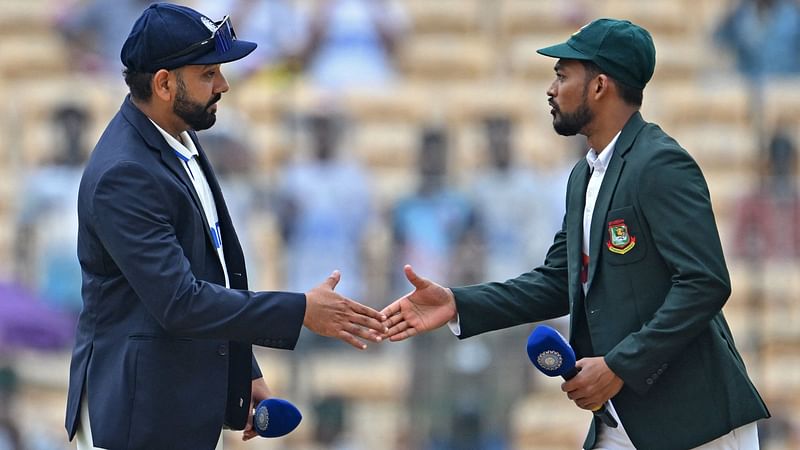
156, 141
234, 257
598, 226
576, 198
615, 166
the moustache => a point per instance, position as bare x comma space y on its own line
213, 100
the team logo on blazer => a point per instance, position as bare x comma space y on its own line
620, 241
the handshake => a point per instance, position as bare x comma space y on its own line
427, 307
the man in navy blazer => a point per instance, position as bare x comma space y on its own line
163, 356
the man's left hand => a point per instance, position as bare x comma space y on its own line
594, 384
259, 391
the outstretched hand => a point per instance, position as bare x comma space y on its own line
428, 307
332, 315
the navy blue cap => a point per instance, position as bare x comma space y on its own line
168, 36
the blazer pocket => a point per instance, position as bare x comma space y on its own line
624, 241
157, 337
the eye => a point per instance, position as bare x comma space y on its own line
211, 73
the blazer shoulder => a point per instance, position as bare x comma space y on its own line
653, 144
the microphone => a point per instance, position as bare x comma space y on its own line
553, 356
275, 417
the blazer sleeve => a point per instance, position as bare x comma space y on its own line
676, 204
537, 295
131, 216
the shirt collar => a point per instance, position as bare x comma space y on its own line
600, 161
184, 152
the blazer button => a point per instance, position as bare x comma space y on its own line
649, 381
222, 350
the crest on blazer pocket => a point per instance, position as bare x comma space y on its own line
620, 240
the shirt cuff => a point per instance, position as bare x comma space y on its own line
455, 325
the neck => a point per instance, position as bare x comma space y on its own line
162, 117
606, 125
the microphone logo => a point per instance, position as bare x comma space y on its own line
262, 418
549, 360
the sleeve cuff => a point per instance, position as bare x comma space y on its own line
455, 325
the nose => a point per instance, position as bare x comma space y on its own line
222, 85
551, 91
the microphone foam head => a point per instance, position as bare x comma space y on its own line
550, 352
275, 417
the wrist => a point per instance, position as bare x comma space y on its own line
452, 303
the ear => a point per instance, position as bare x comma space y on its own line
602, 85
162, 85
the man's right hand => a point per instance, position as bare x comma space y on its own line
332, 315
429, 307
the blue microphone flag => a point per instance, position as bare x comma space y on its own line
275, 417
553, 356
550, 352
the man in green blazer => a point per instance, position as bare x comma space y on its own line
637, 265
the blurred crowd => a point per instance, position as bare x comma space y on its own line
324, 207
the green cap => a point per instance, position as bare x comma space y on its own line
623, 50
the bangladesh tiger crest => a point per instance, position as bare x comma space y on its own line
620, 241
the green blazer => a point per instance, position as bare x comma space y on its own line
657, 284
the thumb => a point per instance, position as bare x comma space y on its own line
333, 279
416, 280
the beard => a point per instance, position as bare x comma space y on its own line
196, 115
570, 124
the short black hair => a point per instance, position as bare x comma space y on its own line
139, 83
630, 95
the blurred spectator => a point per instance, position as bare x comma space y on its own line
352, 43
10, 436
96, 29
517, 231
768, 219
430, 230
47, 225
326, 208
764, 36
276, 25
429, 226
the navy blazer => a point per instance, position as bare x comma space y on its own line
162, 347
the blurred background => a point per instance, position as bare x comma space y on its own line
365, 134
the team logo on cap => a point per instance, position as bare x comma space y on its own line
549, 360
208, 23
620, 241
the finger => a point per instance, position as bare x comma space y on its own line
332, 280
393, 320
249, 432
404, 335
368, 322
364, 333
416, 280
392, 309
343, 335
400, 327
366, 311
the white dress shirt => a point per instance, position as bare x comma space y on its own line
186, 152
